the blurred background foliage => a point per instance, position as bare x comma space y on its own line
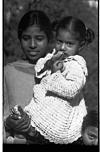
13, 10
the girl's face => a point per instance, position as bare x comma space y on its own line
34, 43
90, 136
66, 43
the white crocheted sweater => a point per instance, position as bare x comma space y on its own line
54, 117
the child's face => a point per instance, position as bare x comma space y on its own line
90, 136
34, 43
66, 43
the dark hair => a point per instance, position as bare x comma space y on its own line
91, 119
35, 17
77, 28
54, 25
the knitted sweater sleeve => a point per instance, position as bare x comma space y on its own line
68, 85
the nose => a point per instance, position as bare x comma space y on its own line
32, 43
63, 46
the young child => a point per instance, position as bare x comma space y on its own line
89, 129
58, 107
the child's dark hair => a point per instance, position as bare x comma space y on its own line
77, 28
91, 119
35, 17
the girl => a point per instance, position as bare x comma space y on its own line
35, 35
57, 108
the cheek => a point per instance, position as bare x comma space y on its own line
73, 50
24, 45
43, 47
43, 44
87, 140
57, 46
70, 51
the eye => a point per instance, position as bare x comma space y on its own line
40, 38
69, 43
58, 41
92, 136
25, 37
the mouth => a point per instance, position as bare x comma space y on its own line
33, 53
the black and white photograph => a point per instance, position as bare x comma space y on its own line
50, 73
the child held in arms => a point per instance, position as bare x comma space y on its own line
58, 107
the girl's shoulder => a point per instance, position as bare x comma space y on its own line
18, 66
80, 61
19, 63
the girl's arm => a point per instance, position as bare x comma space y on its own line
70, 84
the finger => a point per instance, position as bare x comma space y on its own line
24, 125
10, 122
20, 110
57, 56
14, 116
25, 130
25, 120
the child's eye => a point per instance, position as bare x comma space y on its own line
58, 41
92, 137
69, 43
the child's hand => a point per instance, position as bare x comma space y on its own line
58, 65
55, 63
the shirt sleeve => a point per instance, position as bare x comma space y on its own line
68, 85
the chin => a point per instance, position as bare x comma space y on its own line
32, 60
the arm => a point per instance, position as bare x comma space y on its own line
70, 84
5, 106
11, 124
6, 111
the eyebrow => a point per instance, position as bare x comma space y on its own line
92, 133
70, 40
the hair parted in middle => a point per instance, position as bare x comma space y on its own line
77, 29
38, 18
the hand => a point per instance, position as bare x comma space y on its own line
58, 56
18, 125
48, 64
58, 65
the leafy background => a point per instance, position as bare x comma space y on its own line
55, 9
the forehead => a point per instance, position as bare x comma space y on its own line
93, 129
34, 30
64, 35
